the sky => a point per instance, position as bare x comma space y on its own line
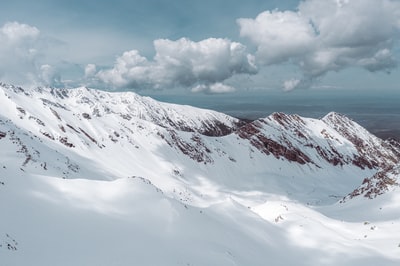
201, 47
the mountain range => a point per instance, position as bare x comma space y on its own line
90, 177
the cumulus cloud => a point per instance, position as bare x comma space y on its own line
49, 76
213, 88
21, 56
90, 70
15, 32
202, 65
323, 36
278, 35
318, 37
290, 84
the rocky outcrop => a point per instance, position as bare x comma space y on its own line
334, 139
268, 146
380, 183
194, 148
372, 152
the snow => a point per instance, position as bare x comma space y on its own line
126, 193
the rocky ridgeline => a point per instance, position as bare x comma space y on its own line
381, 182
334, 140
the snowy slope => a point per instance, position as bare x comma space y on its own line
89, 177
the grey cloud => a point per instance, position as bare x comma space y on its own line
323, 36
49, 76
383, 59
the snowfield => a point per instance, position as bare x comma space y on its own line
95, 178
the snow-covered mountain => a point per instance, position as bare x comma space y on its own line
89, 177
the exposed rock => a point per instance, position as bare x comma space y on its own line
290, 137
378, 184
47, 102
71, 127
37, 120
88, 136
54, 112
64, 140
196, 150
372, 151
50, 136
86, 116
268, 146
21, 111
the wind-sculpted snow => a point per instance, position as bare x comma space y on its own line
90, 177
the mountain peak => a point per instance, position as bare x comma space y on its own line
98, 103
335, 139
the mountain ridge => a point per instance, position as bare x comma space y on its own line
335, 139
130, 159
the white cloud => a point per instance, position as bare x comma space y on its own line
278, 35
14, 32
323, 36
181, 63
22, 56
213, 88
49, 76
90, 70
291, 84
316, 38
130, 69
